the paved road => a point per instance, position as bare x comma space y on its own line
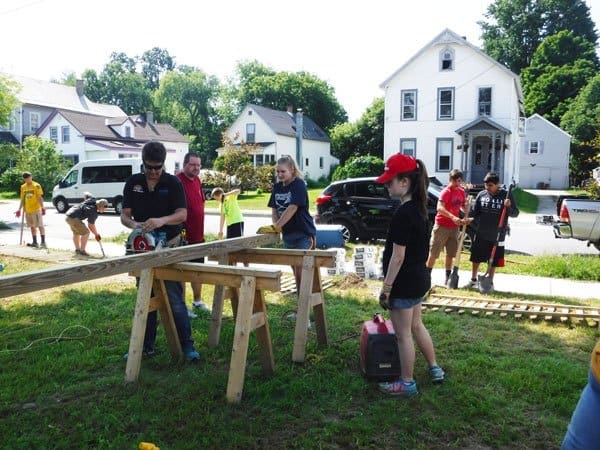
526, 237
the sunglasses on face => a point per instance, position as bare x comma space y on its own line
150, 167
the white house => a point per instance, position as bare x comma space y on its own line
80, 137
453, 106
544, 158
274, 133
83, 129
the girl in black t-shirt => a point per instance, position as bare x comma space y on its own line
407, 279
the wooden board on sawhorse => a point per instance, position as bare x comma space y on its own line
311, 289
248, 286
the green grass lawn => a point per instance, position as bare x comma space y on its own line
511, 383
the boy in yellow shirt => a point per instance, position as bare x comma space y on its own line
32, 202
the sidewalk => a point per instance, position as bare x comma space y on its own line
523, 284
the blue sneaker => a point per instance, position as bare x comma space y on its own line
437, 374
191, 355
399, 388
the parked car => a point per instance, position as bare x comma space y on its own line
364, 208
103, 178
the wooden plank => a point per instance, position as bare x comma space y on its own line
263, 334
239, 351
214, 331
138, 327
319, 309
59, 276
167, 320
303, 312
291, 257
266, 279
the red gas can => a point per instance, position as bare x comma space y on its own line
379, 359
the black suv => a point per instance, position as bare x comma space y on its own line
364, 208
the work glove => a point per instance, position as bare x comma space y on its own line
43, 211
98, 238
18, 213
384, 296
269, 229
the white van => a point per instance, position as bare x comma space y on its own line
103, 178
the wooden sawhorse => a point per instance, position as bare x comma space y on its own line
248, 286
310, 293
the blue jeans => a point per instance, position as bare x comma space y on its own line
180, 316
301, 242
404, 303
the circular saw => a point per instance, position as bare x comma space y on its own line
140, 242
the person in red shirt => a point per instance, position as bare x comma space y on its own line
194, 224
447, 220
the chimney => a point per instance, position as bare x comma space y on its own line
149, 117
79, 88
299, 136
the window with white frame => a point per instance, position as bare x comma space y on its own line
128, 132
321, 162
408, 147
12, 124
54, 134
445, 104
484, 105
250, 132
443, 152
34, 121
65, 133
447, 59
535, 147
409, 105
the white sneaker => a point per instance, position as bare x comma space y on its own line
192, 314
201, 305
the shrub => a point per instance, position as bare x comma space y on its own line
265, 175
359, 166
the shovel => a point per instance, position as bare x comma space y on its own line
453, 282
485, 280
22, 225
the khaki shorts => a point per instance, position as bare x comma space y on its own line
77, 226
443, 237
34, 219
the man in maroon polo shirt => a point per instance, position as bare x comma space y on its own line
194, 224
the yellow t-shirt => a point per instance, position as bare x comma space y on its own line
30, 194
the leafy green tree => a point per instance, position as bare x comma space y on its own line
365, 136
359, 166
513, 29
8, 156
582, 122
561, 66
8, 98
39, 157
119, 84
187, 101
259, 85
155, 63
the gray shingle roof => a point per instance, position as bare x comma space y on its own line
91, 126
284, 123
60, 96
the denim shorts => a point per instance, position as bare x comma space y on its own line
303, 242
404, 303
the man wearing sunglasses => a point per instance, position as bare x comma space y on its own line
155, 201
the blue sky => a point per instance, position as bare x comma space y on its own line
353, 45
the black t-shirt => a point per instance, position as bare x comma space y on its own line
86, 210
487, 211
167, 196
409, 229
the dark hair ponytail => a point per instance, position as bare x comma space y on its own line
419, 182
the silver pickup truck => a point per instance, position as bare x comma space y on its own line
577, 219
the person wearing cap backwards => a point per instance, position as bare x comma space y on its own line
88, 209
407, 278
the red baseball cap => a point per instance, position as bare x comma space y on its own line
395, 165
